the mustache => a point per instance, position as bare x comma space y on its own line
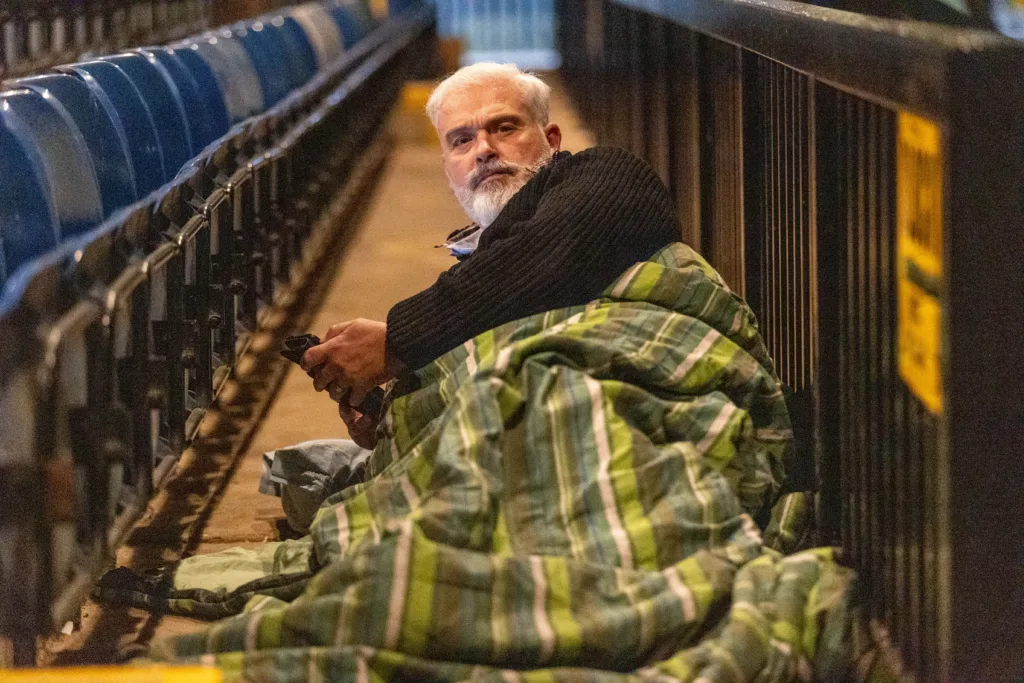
488, 168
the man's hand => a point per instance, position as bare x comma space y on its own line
362, 428
353, 356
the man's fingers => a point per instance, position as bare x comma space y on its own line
349, 415
357, 395
335, 330
313, 357
327, 375
337, 392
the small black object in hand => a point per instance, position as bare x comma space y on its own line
295, 347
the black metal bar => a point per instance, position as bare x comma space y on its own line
983, 427
896, 62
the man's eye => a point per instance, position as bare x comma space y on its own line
506, 128
461, 141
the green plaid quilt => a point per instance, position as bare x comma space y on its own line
577, 495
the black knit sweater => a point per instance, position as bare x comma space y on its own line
578, 224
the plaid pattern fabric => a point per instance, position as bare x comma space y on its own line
567, 497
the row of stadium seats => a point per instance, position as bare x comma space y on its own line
121, 319
92, 137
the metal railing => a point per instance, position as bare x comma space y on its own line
861, 182
119, 344
35, 35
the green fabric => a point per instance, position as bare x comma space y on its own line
571, 496
233, 568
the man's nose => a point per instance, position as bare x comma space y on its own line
484, 150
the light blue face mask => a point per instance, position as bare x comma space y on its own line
466, 245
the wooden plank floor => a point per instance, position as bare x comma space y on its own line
390, 256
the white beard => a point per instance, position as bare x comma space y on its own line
483, 204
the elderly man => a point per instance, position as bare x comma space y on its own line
554, 229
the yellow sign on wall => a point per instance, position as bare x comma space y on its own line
919, 257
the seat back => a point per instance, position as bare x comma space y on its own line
302, 55
352, 29
53, 142
234, 71
322, 32
266, 58
164, 101
209, 88
103, 134
197, 117
112, 86
28, 220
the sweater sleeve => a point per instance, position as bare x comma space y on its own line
597, 213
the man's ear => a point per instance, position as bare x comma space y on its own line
554, 135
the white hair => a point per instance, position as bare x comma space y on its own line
536, 93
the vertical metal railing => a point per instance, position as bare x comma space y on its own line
37, 34
857, 180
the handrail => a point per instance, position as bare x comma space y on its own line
909, 64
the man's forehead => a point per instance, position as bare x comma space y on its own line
467, 106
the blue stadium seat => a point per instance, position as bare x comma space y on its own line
209, 88
321, 30
113, 86
303, 56
352, 29
291, 67
196, 116
234, 70
266, 58
28, 221
103, 133
164, 102
58, 154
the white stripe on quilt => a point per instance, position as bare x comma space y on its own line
690, 464
691, 359
716, 428
252, 631
750, 528
409, 491
362, 669
374, 531
399, 584
681, 591
540, 615
604, 482
626, 280
313, 670
343, 531
502, 361
470, 360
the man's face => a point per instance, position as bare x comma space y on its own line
492, 145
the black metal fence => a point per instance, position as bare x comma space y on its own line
116, 348
37, 34
861, 182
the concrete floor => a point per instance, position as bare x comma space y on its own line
390, 256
